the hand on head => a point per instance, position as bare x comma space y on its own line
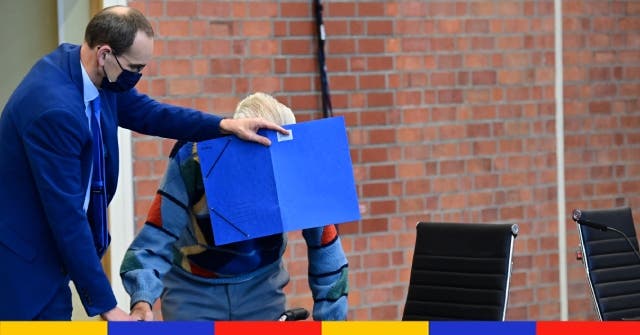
257, 111
247, 129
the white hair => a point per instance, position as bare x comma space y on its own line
264, 106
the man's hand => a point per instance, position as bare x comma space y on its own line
116, 314
141, 311
247, 129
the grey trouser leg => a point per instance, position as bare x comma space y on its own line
187, 297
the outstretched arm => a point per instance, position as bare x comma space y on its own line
140, 113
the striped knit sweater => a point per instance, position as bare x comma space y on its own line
178, 232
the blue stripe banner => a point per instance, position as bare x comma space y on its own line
161, 328
482, 327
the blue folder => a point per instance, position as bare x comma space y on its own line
302, 180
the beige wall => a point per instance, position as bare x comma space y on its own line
74, 18
23, 40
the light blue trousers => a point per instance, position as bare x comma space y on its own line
188, 298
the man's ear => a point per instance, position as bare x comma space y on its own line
103, 50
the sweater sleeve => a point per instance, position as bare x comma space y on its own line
150, 255
328, 273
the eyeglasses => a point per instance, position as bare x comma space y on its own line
137, 68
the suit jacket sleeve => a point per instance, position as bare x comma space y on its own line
140, 113
54, 142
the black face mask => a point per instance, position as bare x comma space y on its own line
125, 81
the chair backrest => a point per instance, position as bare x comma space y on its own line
613, 270
460, 271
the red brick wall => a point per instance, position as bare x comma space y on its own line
451, 114
602, 117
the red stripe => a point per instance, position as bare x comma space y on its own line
202, 272
267, 328
155, 213
329, 233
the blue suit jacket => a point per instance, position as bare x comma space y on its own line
45, 161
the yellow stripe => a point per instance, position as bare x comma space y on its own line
375, 327
53, 327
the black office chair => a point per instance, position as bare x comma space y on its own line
611, 260
460, 271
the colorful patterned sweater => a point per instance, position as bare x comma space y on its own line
178, 232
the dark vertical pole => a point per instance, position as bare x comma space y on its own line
324, 82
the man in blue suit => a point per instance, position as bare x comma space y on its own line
47, 237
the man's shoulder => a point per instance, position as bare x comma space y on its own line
50, 79
35, 96
61, 62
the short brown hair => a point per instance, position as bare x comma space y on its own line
116, 26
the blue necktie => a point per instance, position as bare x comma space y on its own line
97, 211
